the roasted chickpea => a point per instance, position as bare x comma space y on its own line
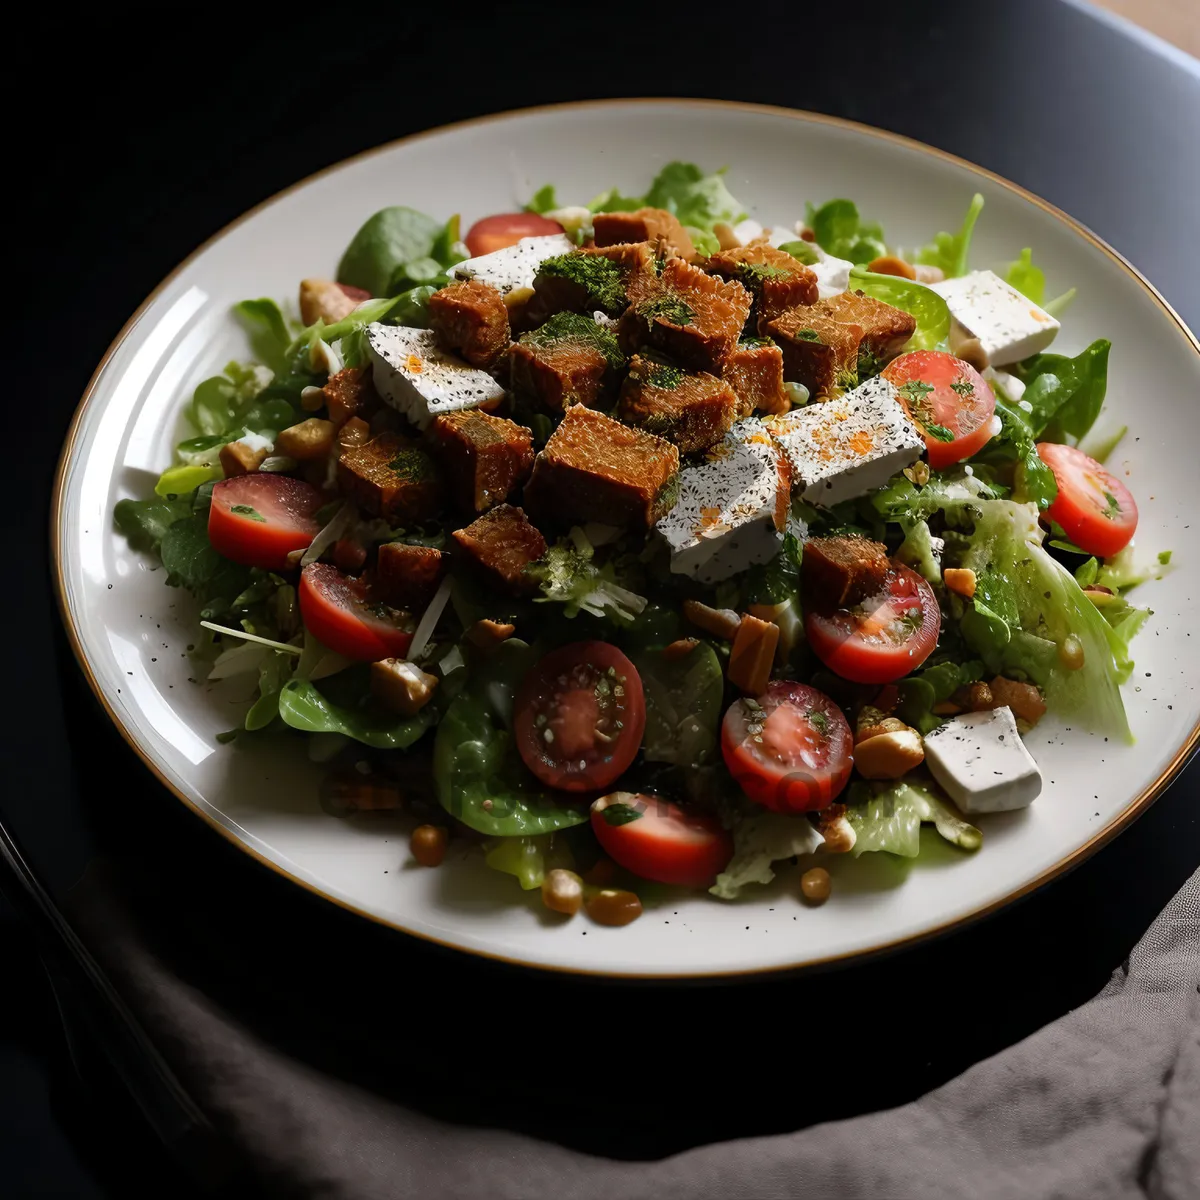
816, 885
612, 906
562, 891
428, 845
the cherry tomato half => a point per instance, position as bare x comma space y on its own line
948, 399
790, 749
507, 229
657, 840
580, 716
259, 519
337, 611
883, 637
1093, 506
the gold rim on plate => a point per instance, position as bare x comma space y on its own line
1135, 808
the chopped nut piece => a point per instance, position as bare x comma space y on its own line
428, 845
562, 891
816, 885
974, 697
401, 686
752, 655
1023, 698
324, 300
488, 634
238, 459
889, 755
834, 826
871, 723
960, 580
471, 319
613, 906
889, 264
720, 622
407, 576
311, 439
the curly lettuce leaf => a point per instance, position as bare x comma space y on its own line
840, 231
759, 841
949, 251
566, 574
388, 240
1028, 279
889, 816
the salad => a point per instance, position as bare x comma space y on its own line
634, 544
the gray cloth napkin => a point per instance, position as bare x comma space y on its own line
1102, 1103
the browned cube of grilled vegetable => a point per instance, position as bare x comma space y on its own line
324, 300
644, 225
693, 411
569, 360
593, 279
501, 544
596, 469
754, 369
776, 280
407, 576
394, 478
843, 570
238, 459
685, 313
350, 393
885, 329
471, 319
401, 686
818, 351
306, 441
484, 457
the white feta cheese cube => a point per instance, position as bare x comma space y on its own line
255, 441
420, 379
731, 507
1010, 385
1009, 326
746, 231
839, 449
833, 273
515, 266
981, 763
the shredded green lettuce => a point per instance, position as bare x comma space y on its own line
840, 231
759, 841
950, 251
567, 575
1028, 279
888, 817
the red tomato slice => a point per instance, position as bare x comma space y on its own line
507, 229
259, 519
336, 609
657, 840
948, 399
789, 750
580, 716
882, 638
1094, 508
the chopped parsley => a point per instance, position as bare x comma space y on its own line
662, 375
869, 363
620, 814
412, 465
667, 308
754, 274
805, 335
915, 390
819, 721
756, 341
573, 327
964, 387
598, 276
1112, 506
244, 510
939, 431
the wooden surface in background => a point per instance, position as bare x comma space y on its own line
1176, 21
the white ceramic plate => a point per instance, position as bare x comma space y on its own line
130, 631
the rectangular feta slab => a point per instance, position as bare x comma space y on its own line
840, 449
981, 762
514, 267
1009, 326
421, 380
729, 509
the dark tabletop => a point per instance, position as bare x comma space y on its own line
131, 152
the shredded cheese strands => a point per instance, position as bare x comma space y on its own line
338, 525
429, 620
282, 647
238, 660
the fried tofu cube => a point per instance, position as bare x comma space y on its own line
843, 570
501, 544
596, 469
644, 225
350, 393
407, 576
392, 477
687, 314
885, 329
818, 351
594, 279
471, 319
693, 411
569, 360
484, 457
754, 369
775, 279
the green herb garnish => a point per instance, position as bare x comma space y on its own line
620, 814
819, 721
244, 510
805, 335
599, 277
573, 327
667, 308
915, 390
939, 431
964, 387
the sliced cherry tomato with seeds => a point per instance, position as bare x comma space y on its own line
259, 519
507, 229
338, 611
789, 749
883, 637
948, 400
655, 839
580, 716
1094, 508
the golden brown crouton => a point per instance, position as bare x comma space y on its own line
593, 279
843, 570
644, 225
686, 313
324, 300
407, 576
471, 319
501, 544
484, 457
569, 360
238, 459
818, 352
754, 369
775, 279
306, 441
401, 686
885, 329
393, 478
693, 411
596, 469
350, 393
